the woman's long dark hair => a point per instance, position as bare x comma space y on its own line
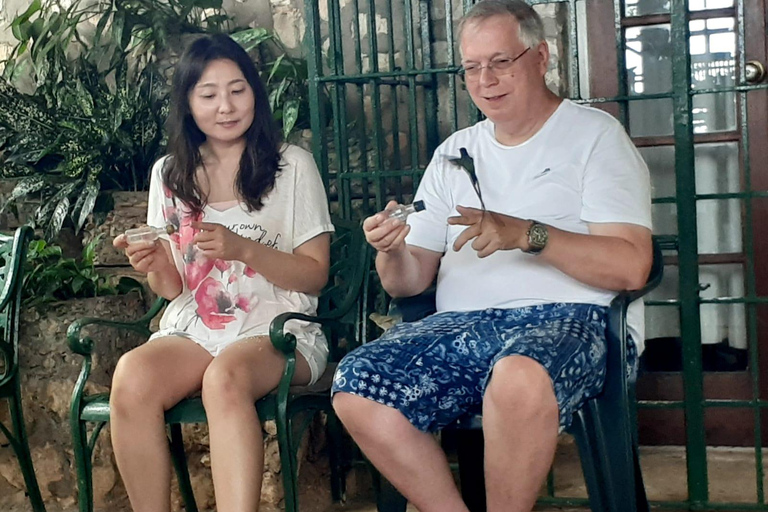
260, 161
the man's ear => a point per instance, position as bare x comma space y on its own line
542, 54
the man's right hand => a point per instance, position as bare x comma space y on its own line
145, 257
384, 234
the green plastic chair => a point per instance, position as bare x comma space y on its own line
14, 252
292, 408
604, 428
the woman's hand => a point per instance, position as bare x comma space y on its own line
144, 257
217, 242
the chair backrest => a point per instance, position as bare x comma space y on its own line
342, 297
13, 253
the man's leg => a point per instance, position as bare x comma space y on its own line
409, 458
520, 424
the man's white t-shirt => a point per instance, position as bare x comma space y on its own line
224, 301
579, 168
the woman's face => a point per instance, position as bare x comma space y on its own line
222, 102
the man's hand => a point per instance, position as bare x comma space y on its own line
491, 231
144, 257
385, 234
217, 242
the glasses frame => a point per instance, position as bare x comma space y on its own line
490, 67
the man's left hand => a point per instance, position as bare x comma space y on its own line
491, 231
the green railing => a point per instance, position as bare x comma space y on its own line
384, 93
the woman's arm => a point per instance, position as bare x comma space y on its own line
306, 270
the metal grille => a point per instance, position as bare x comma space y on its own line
384, 93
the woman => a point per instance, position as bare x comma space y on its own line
251, 240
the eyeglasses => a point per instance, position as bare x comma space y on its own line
501, 66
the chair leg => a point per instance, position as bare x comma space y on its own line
24, 455
640, 496
179, 459
470, 449
82, 464
616, 457
598, 482
288, 463
336, 458
388, 498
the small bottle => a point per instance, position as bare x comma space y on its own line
148, 233
404, 210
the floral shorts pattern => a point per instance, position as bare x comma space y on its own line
435, 370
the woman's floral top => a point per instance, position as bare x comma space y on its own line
223, 301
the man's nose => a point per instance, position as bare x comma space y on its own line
487, 76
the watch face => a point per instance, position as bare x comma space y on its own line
538, 236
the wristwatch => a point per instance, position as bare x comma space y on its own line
538, 235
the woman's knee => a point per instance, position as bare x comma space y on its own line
521, 386
134, 385
226, 386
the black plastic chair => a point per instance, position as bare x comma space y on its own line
13, 250
604, 428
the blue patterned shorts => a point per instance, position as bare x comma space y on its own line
435, 370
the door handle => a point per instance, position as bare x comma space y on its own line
755, 72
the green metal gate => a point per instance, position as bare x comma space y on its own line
683, 77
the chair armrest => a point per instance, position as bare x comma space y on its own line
284, 341
416, 307
83, 345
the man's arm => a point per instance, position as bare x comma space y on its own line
407, 272
404, 270
612, 256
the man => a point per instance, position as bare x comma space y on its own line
525, 266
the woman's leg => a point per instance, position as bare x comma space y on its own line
149, 380
240, 375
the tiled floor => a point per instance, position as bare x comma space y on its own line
732, 477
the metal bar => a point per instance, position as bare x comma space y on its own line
397, 160
385, 174
430, 93
664, 18
736, 88
473, 113
454, 115
410, 57
750, 310
690, 325
339, 103
315, 70
376, 100
574, 83
698, 138
621, 62
362, 139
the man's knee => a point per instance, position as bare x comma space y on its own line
521, 386
364, 416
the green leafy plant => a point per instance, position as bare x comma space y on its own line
285, 77
93, 120
49, 276
84, 97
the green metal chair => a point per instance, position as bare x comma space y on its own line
292, 408
604, 428
13, 250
